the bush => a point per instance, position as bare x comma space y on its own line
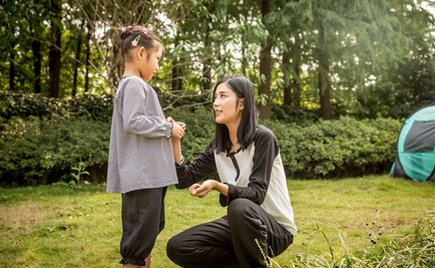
290, 114
35, 151
96, 107
200, 130
337, 148
53, 136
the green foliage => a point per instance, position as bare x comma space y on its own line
288, 114
43, 147
337, 148
80, 170
95, 107
35, 150
200, 129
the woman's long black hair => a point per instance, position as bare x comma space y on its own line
243, 89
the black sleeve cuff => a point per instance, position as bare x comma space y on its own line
224, 200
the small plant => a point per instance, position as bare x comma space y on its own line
80, 169
268, 260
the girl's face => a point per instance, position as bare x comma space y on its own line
225, 106
149, 61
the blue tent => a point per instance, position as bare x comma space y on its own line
415, 156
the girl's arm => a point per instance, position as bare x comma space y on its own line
139, 118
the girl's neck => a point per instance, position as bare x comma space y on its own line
130, 70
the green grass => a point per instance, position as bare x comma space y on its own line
373, 221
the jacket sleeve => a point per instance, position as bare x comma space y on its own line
140, 119
266, 150
198, 169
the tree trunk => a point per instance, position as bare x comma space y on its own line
287, 78
88, 56
244, 61
297, 85
176, 70
265, 67
37, 60
76, 63
12, 68
324, 82
54, 52
206, 70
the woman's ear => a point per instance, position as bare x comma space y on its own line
241, 104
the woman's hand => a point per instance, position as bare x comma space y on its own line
202, 190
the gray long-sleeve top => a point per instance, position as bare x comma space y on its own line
140, 152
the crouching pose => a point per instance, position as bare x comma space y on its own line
259, 221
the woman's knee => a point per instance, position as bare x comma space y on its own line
173, 248
239, 208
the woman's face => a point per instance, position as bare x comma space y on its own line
224, 105
149, 64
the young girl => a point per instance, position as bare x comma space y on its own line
141, 165
252, 184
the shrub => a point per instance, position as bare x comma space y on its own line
337, 148
200, 130
96, 107
42, 139
290, 114
34, 151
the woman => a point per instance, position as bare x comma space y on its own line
246, 156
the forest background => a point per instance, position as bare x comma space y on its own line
334, 79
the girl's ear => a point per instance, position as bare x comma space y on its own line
141, 53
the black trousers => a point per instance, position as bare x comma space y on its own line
231, 241
143, 218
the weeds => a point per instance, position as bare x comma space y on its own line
414, 249
80, 169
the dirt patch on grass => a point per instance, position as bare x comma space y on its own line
22, 217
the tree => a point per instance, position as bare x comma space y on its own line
265, 65
54, 58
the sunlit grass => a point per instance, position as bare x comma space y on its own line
57, 226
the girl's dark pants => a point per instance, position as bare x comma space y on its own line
231, 241
143, 218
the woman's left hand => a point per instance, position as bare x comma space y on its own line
202, 190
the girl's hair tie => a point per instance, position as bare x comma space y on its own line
135, 41
123, 30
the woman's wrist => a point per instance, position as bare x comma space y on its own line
220, 187
180, 161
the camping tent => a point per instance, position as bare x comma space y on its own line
415, 157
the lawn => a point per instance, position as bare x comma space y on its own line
366, 221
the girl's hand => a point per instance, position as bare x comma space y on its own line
202, 190
178, 130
